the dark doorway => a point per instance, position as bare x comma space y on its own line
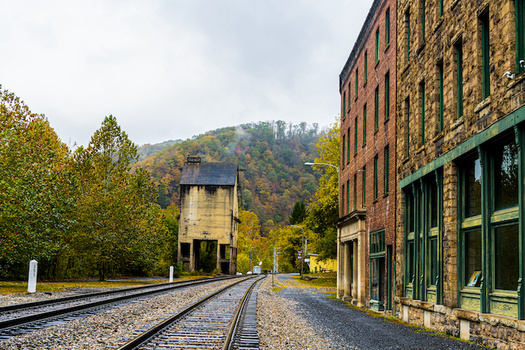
205, 254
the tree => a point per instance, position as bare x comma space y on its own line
324, 210
298, 213
34, 189
118, 224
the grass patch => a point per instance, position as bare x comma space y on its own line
17, 287
320, 280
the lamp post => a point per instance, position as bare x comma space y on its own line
303, 253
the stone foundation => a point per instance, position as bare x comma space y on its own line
494, 331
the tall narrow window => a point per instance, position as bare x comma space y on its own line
344, 105
364, 125
348, 146
376, 111
485, 55
440, 8
459, 80
349, 95
377, 45
387, 27
364, 187
441, 97
422, 101
356, 83
355, 191
407, 113
347, 196
366, 67
355, 137
386, 170
342, 200
423, 19
387, 96
376, 166
520, 34
407, 33
343, 152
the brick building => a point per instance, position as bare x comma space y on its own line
366, 226
460, 168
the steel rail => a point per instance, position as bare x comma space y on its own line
240, 311
153, 331
17, 307
72, 309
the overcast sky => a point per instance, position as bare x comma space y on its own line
171, 69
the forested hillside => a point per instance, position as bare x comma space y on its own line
272, 155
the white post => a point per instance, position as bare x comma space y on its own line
171, 274
31, 283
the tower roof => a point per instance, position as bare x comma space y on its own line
213, 174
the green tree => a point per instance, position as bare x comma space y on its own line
34, 189
298, 213
118, 225
324, 210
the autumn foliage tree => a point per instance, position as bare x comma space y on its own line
34, 189
117, 219
323, 213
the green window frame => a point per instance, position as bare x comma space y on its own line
366, 68
376, 175
423, 20
422, 102
485, 55
343, 152
364, 125
459, 80
347, 196
376, 111
441, 97
386, 171
348, 146
377, 269
355, 137
440, 8
519, 7
407, 33
424, 238
387, 27
377, 45
387, 96
349, 96
342, 200
356, 83
407, 119
490, 250
364, 187
344, 105
355, 191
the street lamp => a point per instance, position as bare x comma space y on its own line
330, 165
302, 249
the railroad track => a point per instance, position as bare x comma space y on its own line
23, 318
226, 319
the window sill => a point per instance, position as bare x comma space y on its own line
438, 25
459, 122
454, 3
377, 64
483, 104
517, 80
385, 195
387, 47
421, 47
386, 120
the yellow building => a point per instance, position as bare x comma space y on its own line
209, 217
317, 265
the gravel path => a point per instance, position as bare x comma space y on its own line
343, 327
112, 326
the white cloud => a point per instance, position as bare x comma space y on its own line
174, 69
